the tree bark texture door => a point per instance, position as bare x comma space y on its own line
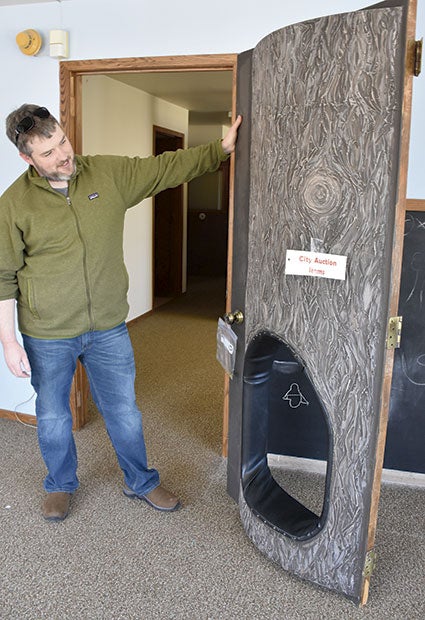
317, 171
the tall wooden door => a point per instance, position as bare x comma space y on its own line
168, 224
319, 190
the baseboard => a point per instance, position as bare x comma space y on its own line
389, 476
25, 418
139, 318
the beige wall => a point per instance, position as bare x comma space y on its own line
205, 191
118, 119
200, 134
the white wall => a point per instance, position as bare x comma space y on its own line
127, 28
146, 28
129, 133
205, 191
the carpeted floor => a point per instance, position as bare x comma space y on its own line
117, 559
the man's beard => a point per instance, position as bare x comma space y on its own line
57, 176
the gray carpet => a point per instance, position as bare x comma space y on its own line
115, 558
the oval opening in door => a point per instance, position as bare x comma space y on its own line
281, 414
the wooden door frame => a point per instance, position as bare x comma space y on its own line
399, 224
71, 74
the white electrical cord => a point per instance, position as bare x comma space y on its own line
15, 411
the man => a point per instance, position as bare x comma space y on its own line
61, 260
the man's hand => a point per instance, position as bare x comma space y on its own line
16, 359
14, 355
229, 141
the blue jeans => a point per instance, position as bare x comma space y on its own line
108, 359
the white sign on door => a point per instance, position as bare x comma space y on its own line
315, 264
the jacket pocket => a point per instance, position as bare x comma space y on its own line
31, 299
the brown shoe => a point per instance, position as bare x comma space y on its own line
159, 498
56, 506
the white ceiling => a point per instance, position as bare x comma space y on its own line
200, 92
16, 2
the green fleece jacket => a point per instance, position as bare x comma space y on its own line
62, 258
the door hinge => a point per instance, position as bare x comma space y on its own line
369, 564
394, 332
418, 58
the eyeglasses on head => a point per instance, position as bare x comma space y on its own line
27, 123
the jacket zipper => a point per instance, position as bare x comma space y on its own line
86, 278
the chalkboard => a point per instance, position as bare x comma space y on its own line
405, 447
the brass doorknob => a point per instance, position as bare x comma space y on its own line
234, 317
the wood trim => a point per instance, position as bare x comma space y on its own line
77, 401
140, 317
168, 132
25, 418
78, 398
71, 72
147, 64
70, 83
395, 275
415, 204
229, 277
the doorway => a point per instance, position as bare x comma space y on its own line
72, 74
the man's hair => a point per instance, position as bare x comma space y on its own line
43, 127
